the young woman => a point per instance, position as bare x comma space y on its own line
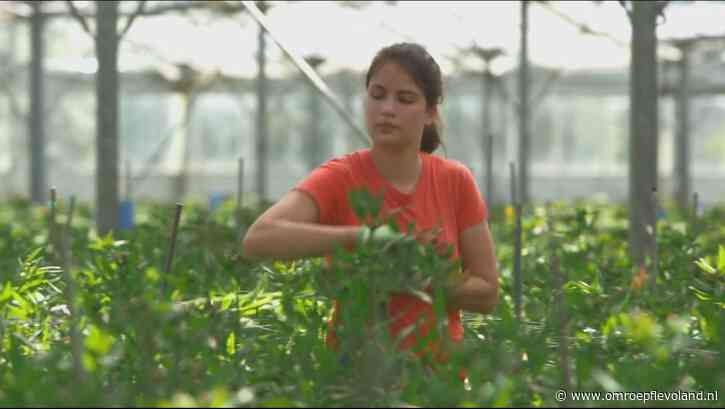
404, 89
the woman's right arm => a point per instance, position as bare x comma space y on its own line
290, 229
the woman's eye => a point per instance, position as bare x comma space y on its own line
406, 98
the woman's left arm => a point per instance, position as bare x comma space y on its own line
478, 290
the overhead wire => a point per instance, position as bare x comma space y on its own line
551, 79
584, 29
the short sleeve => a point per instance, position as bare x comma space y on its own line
326, 185
471, 208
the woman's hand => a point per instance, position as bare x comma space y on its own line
382, 234
477, 290
386, 216
432, 236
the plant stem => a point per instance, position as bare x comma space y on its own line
66, 264
518, 285
172, 246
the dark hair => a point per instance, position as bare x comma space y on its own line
426, 74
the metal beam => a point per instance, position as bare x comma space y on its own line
309, 72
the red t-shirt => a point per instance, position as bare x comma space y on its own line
445, 192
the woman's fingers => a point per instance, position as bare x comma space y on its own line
386, 214
426, 236
394, 211
433, 236
442, 249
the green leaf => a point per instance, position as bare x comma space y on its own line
227, 302
503, 394
219, 397
89, 362
610, 325
231, 344
31, 284
23, 303
98, 341
276, 402
709, 324
152, 274
705, 266
102, 243
701, 295
19, 313
271, 298
7, 292
721, 260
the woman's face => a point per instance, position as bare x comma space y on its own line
395, 108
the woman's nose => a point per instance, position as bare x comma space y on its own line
387, 105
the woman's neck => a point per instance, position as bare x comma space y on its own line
399, 168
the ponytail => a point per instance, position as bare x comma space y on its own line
431, 139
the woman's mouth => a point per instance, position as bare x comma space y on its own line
387, 128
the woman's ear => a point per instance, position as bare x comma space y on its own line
431, 115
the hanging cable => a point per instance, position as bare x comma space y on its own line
584, 29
